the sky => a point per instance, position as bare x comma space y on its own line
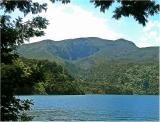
80, 18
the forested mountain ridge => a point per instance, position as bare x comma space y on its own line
76, 49
102, 66
86, 52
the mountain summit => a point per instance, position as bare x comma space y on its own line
80, 48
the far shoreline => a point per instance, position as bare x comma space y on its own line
90, 95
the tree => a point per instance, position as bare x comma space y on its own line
20, 31
139, 10
13, 76
14, 33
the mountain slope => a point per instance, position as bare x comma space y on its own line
76, 49
102, 66
71, 49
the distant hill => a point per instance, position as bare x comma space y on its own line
88, 50
73, 49
102, 65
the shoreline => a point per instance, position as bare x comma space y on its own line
92, 95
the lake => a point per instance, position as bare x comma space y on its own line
94, 107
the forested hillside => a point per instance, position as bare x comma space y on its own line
76, 49
99, 65
51, 77
123, 78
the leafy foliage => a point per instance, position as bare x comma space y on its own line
32, 77
140, 10
25, 6
17, 74
56, 79
13, 76
20, 31
123, 78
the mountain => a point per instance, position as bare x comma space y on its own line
100, 65
73, 49
88, 51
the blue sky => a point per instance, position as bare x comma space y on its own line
81, 19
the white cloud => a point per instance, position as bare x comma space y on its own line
150, 35
72, 21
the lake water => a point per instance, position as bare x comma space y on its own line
94, 108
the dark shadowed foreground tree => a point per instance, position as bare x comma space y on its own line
140, 10
14, 31
16, 75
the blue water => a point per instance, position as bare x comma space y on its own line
94, 108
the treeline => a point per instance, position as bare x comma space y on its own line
122, 78
41, 77
45, 77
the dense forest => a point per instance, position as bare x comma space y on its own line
103, 78
97, 66
122, 78
51, 77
